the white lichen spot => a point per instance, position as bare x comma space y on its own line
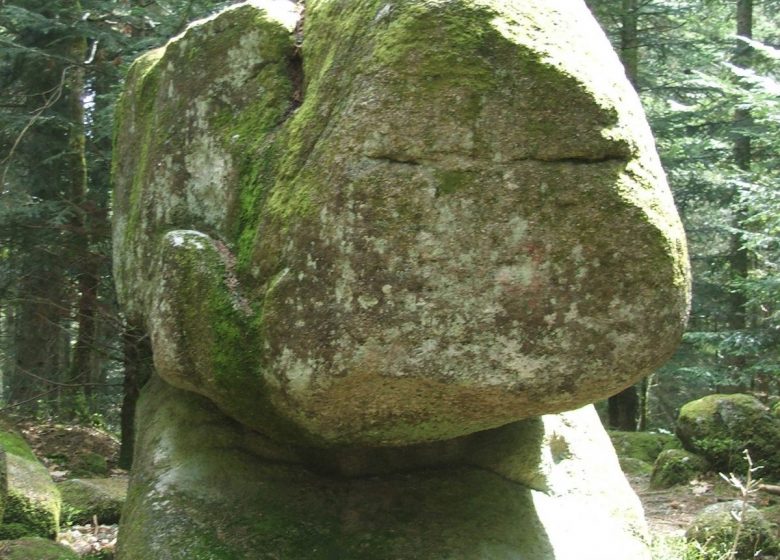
367, 302
242, 59
189, 239
209, 170
297, 372
518, 229
387, 289
514, 275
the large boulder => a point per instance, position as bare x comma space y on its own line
722, 427
676, 466
206, 487
402, 230
374, 247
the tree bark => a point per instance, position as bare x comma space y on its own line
627, 407
739, 257
623, 409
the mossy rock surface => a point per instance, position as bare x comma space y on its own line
721, 427
89, 464
635, 467
33, 499
15, 444
402, 231
676, 466
772, 515
715, 528
35, 549
645, 446
543, 489
82, 499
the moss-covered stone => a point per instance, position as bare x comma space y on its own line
205, 487
715, 528
371, 247
721, 427
30, 499
676, 466
381, 261
35, 549
15, 444
772, 515
635, 467
83, 499
33, 499
645, 446
90, 463
12, 531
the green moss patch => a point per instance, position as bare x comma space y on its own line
721, 427
83, 499
715, 528
15, 444
35, 549
644, 446
33, 500
676, 466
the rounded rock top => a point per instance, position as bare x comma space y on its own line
395, 222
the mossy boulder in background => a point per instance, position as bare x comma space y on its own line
721, 427
35, 549
32, 502
645, 446
676, 466
33, 499
89, 463
715, 529
83, 499
15, 444
635, 467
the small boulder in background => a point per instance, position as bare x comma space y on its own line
721, 427
676, 466
716, 528
86, 498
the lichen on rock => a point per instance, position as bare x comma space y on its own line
377, 247
417, 208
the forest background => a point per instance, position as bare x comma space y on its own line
708, 73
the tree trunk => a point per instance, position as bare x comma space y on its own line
38, 338
624, 408
739, 258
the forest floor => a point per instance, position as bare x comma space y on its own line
670, 511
